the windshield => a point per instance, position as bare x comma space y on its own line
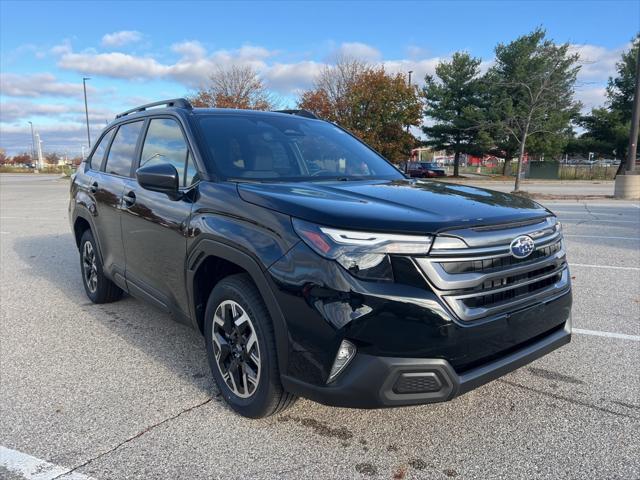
429, 165
288, 148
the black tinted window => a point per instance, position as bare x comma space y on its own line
282, 147
95, 162
123, 149
165, 143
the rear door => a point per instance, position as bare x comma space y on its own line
106, 185
155, 226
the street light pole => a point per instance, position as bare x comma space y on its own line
410, 72
33, 144
86, 109
635, 120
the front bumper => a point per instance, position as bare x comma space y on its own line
375, 382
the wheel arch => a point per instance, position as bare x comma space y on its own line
231, 260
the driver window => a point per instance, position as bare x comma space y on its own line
165, 143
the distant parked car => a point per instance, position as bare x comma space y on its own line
425, 170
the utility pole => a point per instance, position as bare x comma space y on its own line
409, 83
635, 120
33, 144
86, 109
627, 184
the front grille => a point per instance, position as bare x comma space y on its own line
473, 270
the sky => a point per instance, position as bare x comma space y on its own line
138, 52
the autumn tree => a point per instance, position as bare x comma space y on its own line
375, 105
532, 84
235, 87
20, 159
453, 101
4, 159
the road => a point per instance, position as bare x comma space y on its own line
579, 188
121, 391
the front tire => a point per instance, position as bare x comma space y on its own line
97, 286
241, 349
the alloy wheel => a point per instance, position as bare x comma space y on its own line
90, 269
236, 348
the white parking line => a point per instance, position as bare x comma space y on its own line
601, 236
598, 333
602, 266
32, 468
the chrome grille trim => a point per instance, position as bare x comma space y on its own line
455, 281
486, 283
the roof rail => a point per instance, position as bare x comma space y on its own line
176, 102
300, 113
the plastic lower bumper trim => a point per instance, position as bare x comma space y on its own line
369, 381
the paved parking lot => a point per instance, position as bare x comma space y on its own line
121, 391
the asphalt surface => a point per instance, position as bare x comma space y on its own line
121, 391
578, 188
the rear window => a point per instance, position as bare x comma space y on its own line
95, 162
123, 149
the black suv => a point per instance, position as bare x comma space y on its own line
311, 265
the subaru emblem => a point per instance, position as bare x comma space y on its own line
522, 246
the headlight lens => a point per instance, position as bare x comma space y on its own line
364, 254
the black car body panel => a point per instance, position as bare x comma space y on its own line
172, 250
402, 206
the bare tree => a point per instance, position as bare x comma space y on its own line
336, 80
235, 87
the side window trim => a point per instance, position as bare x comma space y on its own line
185, 137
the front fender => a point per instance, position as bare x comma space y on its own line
207, 247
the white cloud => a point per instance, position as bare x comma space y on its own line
123, 37
38, 85
598, 63
591, 97
115, 65
420, 68
191, 50
359, 50
292, 77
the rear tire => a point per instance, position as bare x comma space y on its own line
241, 349
98, 287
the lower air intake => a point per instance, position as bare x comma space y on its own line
417, 382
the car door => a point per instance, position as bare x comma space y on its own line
155, 226
106, 184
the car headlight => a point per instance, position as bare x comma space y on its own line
364, 254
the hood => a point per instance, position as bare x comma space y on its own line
402, 206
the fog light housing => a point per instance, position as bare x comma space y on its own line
346, 352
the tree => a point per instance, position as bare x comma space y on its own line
607, 128
375, 105
21, 159
51, 158
235, 87
3, 157
532, 83
454, 102
330, 97
620, 88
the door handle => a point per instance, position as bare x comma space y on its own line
129, 199
94, 187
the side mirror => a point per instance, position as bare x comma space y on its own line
160, 177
